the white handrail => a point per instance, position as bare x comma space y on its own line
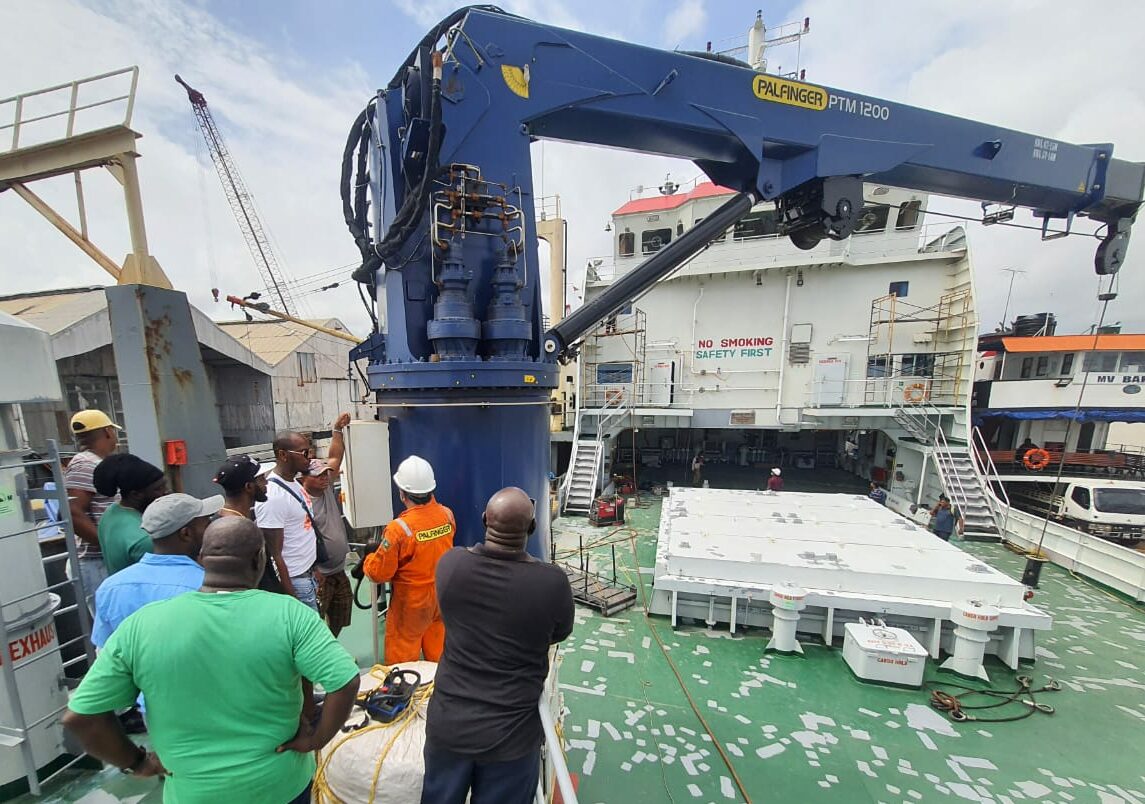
73, 106
556, 754
976, 438
942, 450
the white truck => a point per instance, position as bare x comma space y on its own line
1111, 509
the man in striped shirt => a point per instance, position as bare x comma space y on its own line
97, 437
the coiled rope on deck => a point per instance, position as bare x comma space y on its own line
323, 793
959, 711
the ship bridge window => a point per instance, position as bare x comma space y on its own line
918, 365
899, 289
1067, 365
653, 240
1027, 367
877, 366
1119, 501
872, 219
908, 215
627, 244
756, 224
614, 373
1133, 362
1080, 495
723, 235
1100, 361
1043, 366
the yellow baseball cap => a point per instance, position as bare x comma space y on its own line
87, 420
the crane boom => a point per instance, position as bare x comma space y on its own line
437, 192
240, 200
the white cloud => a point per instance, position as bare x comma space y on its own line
1024, 67
1029, 66
687, 19
550, 12
286, 138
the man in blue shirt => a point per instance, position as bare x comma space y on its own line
175, 523
878, 494
945, 519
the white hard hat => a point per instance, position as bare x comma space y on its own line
776, 472
415, 476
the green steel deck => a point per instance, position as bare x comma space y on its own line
803, 728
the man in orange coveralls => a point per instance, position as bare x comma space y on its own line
407, 555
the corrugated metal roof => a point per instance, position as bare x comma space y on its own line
1076, 343
55, 310
274, 341
660, 203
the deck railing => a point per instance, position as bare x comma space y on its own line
20, 111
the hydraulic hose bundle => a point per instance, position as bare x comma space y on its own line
355, 177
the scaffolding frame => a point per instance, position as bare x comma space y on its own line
632, 329
945, 327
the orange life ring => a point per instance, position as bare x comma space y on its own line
914, 393
1036, 459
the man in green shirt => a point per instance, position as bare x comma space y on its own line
137, 483
221, 669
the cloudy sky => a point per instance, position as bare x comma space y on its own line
285, 78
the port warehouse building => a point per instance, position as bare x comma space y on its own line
266, 376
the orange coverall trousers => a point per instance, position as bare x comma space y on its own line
410, 548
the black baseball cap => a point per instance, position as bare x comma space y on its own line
240, 470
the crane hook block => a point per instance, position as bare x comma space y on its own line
1111, 252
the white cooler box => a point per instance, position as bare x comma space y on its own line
875, 652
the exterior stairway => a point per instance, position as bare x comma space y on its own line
967, 491
584, 473
964, 484
916, 425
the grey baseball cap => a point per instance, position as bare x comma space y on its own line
172, 512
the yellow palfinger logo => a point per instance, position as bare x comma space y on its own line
434, 533
517, 79
791, 93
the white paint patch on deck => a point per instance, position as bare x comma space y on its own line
768, 751
923, 718
1033, 789
813, 721
589, 763
585, 690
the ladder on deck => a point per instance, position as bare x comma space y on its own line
966, 486
967, 490
584, 474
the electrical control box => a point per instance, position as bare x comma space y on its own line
367, 490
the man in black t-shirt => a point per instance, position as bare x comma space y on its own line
502, 610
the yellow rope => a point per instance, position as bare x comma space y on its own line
322, 790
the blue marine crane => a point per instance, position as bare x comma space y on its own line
464, 369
